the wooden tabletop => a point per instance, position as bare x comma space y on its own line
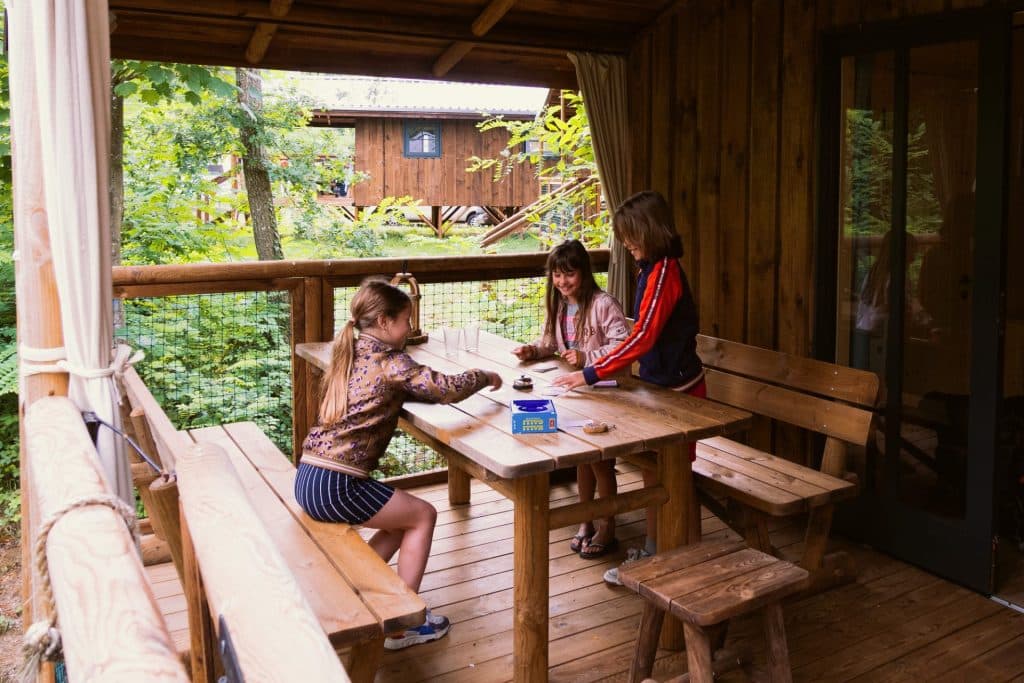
643, 416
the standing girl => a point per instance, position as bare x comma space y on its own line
369, 378
664, 337
583, 324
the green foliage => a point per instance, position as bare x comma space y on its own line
868, 209
562, 150
217, 358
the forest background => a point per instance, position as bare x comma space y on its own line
173, 202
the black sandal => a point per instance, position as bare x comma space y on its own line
592, 551
579, 541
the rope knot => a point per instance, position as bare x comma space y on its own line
42, 640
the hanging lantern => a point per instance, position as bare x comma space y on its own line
416, 335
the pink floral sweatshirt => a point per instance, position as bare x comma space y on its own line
603, 330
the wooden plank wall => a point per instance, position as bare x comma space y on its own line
441, 181
723, 113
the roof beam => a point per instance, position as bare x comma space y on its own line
490, 16
264, 32
304, 17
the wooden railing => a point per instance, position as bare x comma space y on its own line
310, 285
108, 617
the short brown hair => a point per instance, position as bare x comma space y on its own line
646, 220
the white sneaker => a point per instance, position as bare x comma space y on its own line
434, 628
632, 555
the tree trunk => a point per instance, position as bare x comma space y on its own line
254, 169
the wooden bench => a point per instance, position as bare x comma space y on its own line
704, 585
355, 595
827, 399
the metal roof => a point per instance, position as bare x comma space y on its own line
369, 94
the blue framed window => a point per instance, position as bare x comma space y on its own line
421, 139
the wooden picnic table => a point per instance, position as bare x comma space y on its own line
476, 437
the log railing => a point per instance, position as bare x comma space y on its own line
110, 625
310, 288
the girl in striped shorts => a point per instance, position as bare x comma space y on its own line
369, 378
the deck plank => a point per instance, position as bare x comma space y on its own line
895, 622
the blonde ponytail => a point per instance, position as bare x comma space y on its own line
335, 401
375, 298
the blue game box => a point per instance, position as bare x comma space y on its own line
533, 416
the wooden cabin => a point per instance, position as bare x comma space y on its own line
415, 139
808, 148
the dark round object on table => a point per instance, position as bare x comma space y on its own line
523, 383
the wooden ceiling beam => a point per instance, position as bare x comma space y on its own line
490, 16
527, 71
302, 17
450, 57
264, 32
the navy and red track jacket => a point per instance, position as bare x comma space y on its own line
664, 336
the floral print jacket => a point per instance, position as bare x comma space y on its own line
382, 379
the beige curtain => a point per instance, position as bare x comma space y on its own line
60, 58
602, 80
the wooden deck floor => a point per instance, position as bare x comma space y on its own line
894, 623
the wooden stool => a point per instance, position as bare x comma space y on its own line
704, 585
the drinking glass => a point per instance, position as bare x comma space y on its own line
451, 341
471, 337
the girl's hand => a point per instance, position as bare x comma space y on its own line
493, 380
570, 381
574, 358
524, 352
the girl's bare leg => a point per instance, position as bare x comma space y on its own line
408, 523
586, 484
604, 473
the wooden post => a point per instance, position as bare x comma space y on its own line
38, 306
202, 648
89, 552
775, 637
698, 654
674, 518
458, 485
646, 642
530, 579
164, 496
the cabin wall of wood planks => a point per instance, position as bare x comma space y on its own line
723, 108
724, 117
443, 181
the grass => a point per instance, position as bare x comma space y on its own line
420, 240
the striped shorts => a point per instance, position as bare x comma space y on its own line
330, 496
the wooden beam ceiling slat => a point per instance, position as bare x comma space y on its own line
450, 57
490, 16
571, 36
264, 32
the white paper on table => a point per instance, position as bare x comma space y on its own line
552, 391
544, 367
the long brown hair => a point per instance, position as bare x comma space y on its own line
569, 257
376, 297
645, 220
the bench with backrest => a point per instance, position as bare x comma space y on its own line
355, 595
831, 400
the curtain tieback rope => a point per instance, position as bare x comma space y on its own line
42, 638
35, 361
